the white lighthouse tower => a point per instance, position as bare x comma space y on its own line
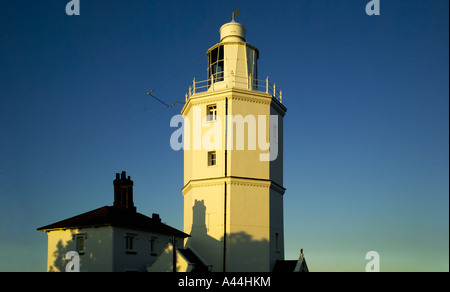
233, 160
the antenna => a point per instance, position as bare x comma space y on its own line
168, 106
235, 14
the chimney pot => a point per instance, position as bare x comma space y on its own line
123, 192
156, 217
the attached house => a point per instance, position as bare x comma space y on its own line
111, 238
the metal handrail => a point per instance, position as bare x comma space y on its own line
252, 84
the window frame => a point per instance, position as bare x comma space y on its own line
153, 240
212, 158
130, 243
211, 112
277, 242
80, 248
216, 64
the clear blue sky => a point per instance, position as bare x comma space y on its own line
366, 133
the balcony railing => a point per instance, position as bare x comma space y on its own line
219, 81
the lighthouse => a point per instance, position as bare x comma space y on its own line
233, 160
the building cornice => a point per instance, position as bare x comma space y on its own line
233, 180
233, 94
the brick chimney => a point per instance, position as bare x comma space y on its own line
123, 192
156, 217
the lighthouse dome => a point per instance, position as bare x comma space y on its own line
232, 32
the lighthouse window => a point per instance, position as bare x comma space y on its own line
277, 242
211, 113
216, 64
212, 158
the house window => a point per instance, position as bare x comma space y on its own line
153, 246
79, 241
212, 158
130, 243
211, 113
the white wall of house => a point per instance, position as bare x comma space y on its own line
105, 249
98, 249
147, 247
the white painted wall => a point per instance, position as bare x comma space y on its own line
105, 249
254, 202
251, 232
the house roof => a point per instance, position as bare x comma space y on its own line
113, 216
292, 265
284, 266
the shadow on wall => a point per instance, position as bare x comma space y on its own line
206, 245
63, 254
59, 255
164, 263
249, 255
